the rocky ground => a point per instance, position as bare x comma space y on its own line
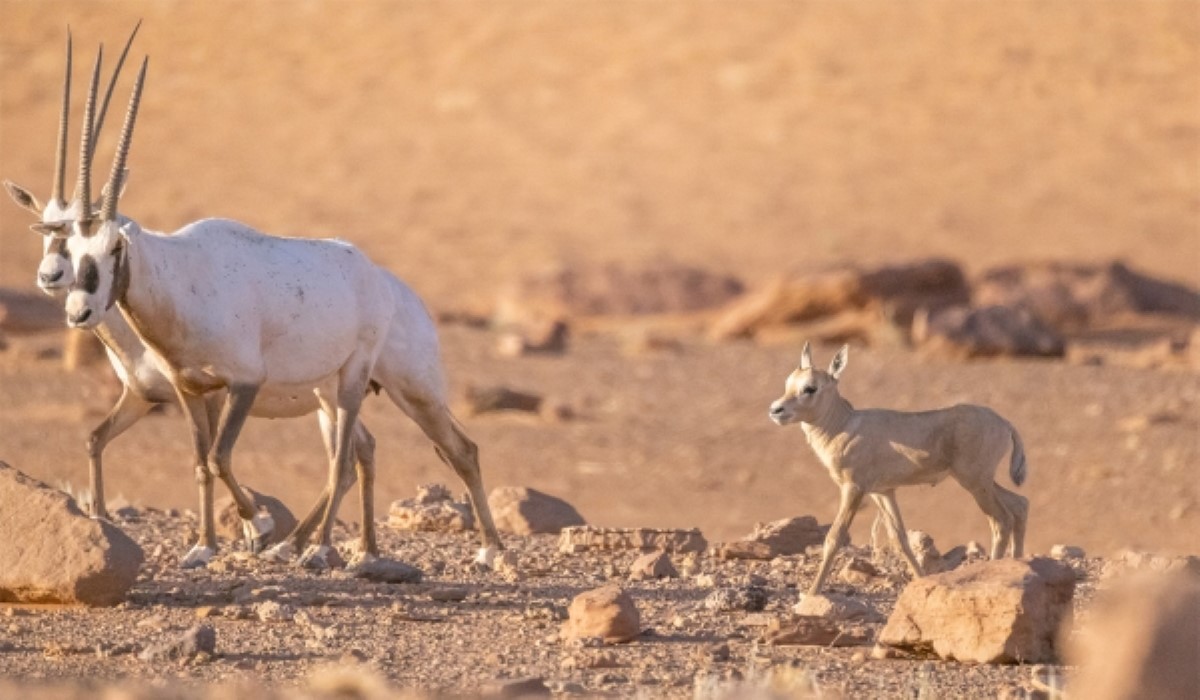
461, 630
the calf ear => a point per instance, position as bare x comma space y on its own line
839, 362
806, 357
23, 197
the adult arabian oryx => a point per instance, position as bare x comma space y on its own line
137, 365
226, 307
873, 452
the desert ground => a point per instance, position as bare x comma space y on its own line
463, 145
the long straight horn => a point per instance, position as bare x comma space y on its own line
111, 84
83, 190
109, 212
60, 154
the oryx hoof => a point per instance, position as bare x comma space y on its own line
360, 559
316, 558
485, 558
257, 531
197, 557
280, 554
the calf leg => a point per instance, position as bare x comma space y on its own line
998, 516
851, 499
1018, 506
128, 410
895, 527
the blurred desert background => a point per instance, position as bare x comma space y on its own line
465, 145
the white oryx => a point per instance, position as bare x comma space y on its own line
278, 323
873, 452
138, 366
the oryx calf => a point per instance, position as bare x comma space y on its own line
872, 452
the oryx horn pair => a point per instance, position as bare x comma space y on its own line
92, 124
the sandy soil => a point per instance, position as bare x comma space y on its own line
463, 143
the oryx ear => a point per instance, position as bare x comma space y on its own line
839, 362
806, 357
57, 229
23, 197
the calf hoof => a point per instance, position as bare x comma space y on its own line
280, 554
257, 531
316, 558
197, 557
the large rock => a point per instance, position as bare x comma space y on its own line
1002, 611
526, 511
53, 553
567, 291
1142, 640
433, 510
607, 613
777, 538
583, 538
229, 523
897, 290
988, 331
1070, 297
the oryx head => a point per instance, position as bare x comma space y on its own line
57, 214
96, 244
808, 391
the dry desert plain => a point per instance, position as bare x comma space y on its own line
463, 145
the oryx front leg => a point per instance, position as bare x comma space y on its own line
890, 510
198, 418
256, 525
128, 410
838, 533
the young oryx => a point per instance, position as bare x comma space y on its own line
229, 308
137, 365
872, 452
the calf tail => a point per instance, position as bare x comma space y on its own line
1016, 465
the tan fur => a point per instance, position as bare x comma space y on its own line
873, 452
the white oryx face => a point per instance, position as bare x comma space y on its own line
54, 271
96, 252
808, 390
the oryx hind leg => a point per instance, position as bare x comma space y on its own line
364, 452
457, 450
352, 387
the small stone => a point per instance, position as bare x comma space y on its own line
448, 594
836, 607
652, 565
272, 611
200, 639
926, 552
1066, 551
858, 571
806, 630
608, 613
383, 570
976, 550
515, 688
743, 599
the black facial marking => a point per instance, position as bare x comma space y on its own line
58, 246
89, 274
